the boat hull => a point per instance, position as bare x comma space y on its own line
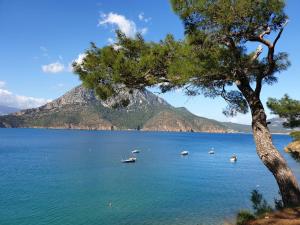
130, 160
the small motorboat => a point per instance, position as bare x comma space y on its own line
135, 151
211, 152
184, 153
129, 160
233, 158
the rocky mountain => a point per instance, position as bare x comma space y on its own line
81, 109
4, 110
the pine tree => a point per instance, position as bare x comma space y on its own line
286, 108
213, 59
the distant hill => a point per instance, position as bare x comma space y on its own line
275, 126
4, 110
238, 127
81, 109
184, 120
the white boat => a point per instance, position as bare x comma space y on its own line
129, 160
233, 158
211, 152
184, 153
135, 151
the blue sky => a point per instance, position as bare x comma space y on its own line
39, 40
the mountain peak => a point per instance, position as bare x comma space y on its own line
80, 108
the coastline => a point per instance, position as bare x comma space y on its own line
141, 130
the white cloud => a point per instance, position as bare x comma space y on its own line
110, 40
142, 17
143, 31
2, 84
80, 58
7, 98
56, 67
117, 47
128, 27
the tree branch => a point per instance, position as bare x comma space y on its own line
270, 56
279, 34
258, 85
258, 51
272, 50
260, 38
267, 31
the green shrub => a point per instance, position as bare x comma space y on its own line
278, 202
260, 207
259, 204
243, 217
295, 135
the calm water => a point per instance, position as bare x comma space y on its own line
61, 177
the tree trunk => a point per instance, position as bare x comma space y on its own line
270, 156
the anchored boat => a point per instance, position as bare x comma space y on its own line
211, 151
184, 153
233, 158
129, 160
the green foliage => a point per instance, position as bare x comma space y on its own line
243, 217
286, 108
12, 121
278, 202
295, 135
259, 204
104, 91
260, 207
210, 60
230, 14
121, 104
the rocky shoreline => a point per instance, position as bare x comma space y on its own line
288, 216
293, 148
95, 128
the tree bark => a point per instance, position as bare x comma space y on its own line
265, 149
269, 155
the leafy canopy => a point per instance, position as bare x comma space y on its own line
286, 108
211, 60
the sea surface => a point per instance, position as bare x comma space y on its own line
65, 177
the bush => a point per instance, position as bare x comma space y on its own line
260, 207
243, 217
259, 204
278, 202
295, 135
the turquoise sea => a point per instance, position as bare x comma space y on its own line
64, 177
